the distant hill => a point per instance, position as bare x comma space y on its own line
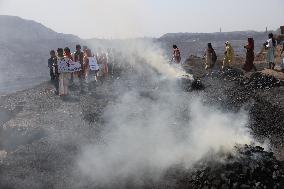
25, 46
24, 50
195, 43
237, 35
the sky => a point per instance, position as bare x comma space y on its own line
147, 18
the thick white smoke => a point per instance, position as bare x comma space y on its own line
146, 137
148, 132
154, 56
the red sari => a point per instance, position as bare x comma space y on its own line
248, 66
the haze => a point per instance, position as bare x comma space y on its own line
147, 18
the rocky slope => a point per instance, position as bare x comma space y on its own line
24, 50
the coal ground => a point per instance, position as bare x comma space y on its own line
41, 133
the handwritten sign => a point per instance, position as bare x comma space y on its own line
66, 65
93, 64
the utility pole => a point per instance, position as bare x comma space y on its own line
266, 30
220, 30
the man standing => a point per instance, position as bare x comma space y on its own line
78, 57
51, 64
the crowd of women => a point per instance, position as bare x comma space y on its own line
82, 64
65, 66
211, 57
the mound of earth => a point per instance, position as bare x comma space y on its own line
249, 167
259, 80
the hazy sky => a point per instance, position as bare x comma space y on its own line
138, 18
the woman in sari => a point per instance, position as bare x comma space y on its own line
248, 66
63, 61
210, 57
229, 55
176, 54
270, 45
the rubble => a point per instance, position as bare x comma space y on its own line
246, 167
230, 74
260, 81
188, 84
249, 167
267, 121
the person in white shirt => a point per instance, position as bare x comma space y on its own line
270, 45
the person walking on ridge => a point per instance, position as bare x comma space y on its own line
176, 54
229, 55
210, 57
248, 66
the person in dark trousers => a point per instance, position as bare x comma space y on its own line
249, 65
51, 61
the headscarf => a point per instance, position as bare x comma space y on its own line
251, 43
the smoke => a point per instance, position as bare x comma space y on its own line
148, 130
146, 137
153, 55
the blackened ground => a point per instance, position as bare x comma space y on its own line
261, 95
42, 133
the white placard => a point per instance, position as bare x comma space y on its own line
93, 64
67, 65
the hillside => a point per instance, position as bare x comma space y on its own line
195, 43
24, 50
25, 45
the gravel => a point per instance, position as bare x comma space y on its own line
47, 157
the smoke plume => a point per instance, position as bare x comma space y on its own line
150, 129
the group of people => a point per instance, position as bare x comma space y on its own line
211, 57
65, 66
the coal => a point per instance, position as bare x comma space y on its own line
260, 81
248, 167
197, 85
231, 74
189, 84
256, 80
267, 121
